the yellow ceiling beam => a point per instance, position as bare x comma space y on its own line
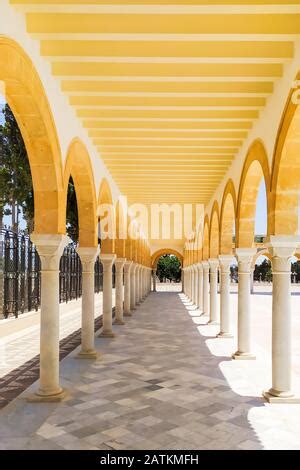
217, 49
163, 143
165, 134
181, 114
190, 124
166, 87
167, 24
167, 70
149, 101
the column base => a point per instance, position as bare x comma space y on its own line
127, 314
280, 397
87, 355
40, 398
212, 322
107, 334
224, 335
243, 356
119, 322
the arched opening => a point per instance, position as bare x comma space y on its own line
80, 196
168, 272
214, 237
286, 174
206, 239
227, 222
106, 219
27, 99
254, 172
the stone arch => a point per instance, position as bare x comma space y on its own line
263, 252
205, 250
106, 213
121, 230
214, 233
27, 99
78, 165
165, 251
227, 220
285, 183
255, 169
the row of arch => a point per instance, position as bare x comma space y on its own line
236, 214
27, 99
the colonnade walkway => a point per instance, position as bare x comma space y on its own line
164, 382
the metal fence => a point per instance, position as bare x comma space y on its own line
20, 277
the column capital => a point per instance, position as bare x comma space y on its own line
213, 264
127, 266
88, 255
199, 266
119, 263
205, 265
244, 257
225, 262
50, 248
283, 246
107, 260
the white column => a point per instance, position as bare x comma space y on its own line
119, 290
213, 314
225, 262
132, 286
141, 297
137, 285
195, 271
127, 269
88, 257
244, 257
50, 248
154, 279
205, 266
192, 284
282, 249
107, 261
200, 287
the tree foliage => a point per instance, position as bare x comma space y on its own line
15, 177
168, 267
16, 190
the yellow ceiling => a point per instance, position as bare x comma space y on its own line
168, 90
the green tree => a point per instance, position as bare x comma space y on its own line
15, 177
263, 271
16, 191
72, 212
168, 267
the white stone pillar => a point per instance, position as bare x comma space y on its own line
195, 271
50, 248
282, 249
88, 257
213, 314
200, 287
119, 291
205, 266
192, 284
107, 261
141, 297
127, 270
154, 279
137, 285
225, 262
244, 257
132, 286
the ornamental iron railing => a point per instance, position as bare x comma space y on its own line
20, 274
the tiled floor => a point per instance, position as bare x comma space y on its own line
165, 382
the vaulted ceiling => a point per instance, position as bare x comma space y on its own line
167, 90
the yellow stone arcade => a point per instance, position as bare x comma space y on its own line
170, 102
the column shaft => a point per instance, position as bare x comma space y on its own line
107, 262
119, 290
214, 318
127, 270
225, 261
